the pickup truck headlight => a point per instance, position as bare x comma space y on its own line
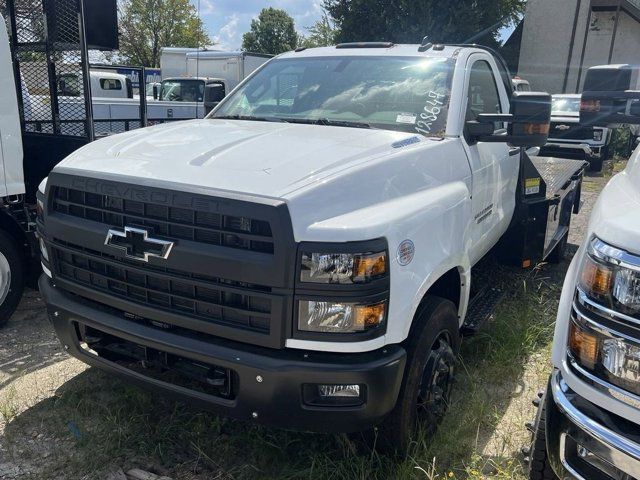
340, 317
610, 278
597, 135
342, 268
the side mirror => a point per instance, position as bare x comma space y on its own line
531, 113
528, 122
213, 94
156, 92
611, 96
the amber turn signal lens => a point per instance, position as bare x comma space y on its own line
595, 277
536, 128
583, 346
370, 266
369, 316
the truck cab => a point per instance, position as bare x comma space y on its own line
303, 256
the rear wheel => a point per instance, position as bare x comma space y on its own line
428, 377
11, 277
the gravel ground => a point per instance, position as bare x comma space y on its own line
35, 371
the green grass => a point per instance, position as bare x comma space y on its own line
100, 423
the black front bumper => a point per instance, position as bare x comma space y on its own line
267, 383
585, 442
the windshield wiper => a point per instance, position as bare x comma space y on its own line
327, 121
250, 117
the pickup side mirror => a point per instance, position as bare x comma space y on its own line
611, 96
156, 92
528, 122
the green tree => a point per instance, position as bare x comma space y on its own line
272, 32
408, 21
148, 25
323, 33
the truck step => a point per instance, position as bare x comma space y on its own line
481, 309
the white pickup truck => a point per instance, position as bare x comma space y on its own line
588, 422
304, 256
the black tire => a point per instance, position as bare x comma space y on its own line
595, 164
559, 253
424, 396
539, 466
10, 257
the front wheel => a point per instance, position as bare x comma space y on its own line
428, 378
11, 277
539, 465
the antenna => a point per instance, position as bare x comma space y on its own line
198, 68
425, 45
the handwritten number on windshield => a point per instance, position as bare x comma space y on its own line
430, 112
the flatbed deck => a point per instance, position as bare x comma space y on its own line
556, 172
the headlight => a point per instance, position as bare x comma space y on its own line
597, 135
605, 354
611, 277
340, 317
342, 268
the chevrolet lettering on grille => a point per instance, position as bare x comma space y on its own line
136, 244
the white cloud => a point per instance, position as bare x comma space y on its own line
227, 35
205, 7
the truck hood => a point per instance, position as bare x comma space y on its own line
616, 215
260, 158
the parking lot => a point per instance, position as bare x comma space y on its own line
60, 419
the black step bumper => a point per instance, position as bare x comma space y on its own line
585, 442
267, 383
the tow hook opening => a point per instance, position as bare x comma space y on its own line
159, 365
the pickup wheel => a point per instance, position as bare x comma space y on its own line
539, 465
11, 277
428, 378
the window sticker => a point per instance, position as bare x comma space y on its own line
409, 118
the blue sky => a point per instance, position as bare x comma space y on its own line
227, 20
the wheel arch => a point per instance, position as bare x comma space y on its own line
451, 284
10, 225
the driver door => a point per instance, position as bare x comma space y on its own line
494, 171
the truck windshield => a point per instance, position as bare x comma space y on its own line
565, 104
182, 90
394, 93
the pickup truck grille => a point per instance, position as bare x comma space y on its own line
569, 131
199, 296
185, 223
228, 275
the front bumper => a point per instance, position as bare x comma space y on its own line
585, 442
583, 150
267, 384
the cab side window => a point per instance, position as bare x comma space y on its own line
483, 94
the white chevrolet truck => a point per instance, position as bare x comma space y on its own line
304, 256
588, 422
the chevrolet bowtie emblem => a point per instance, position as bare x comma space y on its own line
136, 243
